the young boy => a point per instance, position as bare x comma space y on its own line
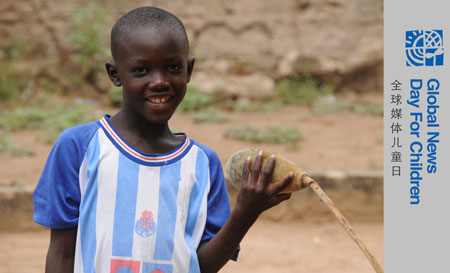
125, 194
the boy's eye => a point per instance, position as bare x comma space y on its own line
139, 70
175, 68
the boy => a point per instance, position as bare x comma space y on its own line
125, 194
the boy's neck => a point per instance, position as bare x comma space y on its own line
147, 137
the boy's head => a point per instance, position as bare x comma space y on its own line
149, 18
150, 53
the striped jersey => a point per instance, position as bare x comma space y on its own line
135, 212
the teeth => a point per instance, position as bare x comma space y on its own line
159, 100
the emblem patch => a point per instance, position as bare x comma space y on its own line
145, 225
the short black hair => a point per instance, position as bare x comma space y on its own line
148, 17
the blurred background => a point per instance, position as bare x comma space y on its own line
301, 78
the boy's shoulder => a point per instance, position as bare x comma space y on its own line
81, 132
210, 153
75, 140
213, 157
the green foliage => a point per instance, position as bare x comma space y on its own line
247, 105
368, 109
8, 148
16, 183
60, 119
23, 118
11, 82
88, 36
54, 121
269, 134
194, 100
301, 90
13, 77
116, 95
359, 108
16, 47
329, 108
211, 115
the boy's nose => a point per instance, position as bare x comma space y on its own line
158, 82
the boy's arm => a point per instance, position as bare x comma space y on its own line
61, 253
255, 196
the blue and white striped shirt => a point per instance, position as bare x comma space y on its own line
135, 212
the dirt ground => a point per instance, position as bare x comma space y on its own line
287, 247
343, 141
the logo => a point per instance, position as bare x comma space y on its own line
130, 266
125, 266
424, 48
145, 225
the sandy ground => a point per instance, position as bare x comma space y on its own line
343, 141
287, 247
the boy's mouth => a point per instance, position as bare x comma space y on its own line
159, 100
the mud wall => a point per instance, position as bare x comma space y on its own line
242, 47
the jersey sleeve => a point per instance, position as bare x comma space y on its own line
218, 205
57, 197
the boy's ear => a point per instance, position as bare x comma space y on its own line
190, 67
112, 73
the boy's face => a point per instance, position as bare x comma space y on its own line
153, 68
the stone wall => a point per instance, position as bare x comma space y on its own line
242, 47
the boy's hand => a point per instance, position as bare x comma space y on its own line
256, 193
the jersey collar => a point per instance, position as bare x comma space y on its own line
140, 157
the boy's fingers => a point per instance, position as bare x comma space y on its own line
246, 169
280, 185
267, 172
257, 166
277, 199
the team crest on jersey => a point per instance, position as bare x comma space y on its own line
145, 225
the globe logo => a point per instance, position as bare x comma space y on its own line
424, 48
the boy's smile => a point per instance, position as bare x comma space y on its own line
152, 66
